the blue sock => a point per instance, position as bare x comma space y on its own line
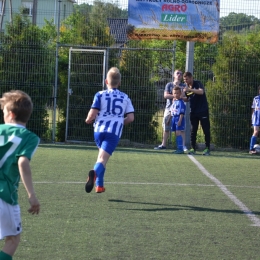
252, 142
100, 171
179, 142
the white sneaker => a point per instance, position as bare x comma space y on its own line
185, 149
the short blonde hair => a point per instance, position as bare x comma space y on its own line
19, 103
114, 77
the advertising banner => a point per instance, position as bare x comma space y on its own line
185, 20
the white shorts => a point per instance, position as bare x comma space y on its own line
10, 220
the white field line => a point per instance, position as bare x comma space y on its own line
233, 198
146, 183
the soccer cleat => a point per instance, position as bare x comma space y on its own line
185, 149
253, 151
90, 181
206, 152
191, 151
160, 147
178, 152
100, 189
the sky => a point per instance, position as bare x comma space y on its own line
249, 7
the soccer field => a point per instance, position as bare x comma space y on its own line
156, 206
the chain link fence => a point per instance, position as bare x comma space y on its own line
34, 57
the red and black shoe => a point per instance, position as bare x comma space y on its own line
90, 181
100, 189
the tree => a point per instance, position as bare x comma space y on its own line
28, 64
236, 74
238, 22
137, 83
81, 28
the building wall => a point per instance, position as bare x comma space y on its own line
46, 9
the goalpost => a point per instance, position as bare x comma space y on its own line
86, 76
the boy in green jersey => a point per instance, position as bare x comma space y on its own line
17, 146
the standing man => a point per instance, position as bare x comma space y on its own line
111, 110
177, 77
199, 111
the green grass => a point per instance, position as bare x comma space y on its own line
156, 206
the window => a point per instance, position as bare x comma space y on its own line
27, 8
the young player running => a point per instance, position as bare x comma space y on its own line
17, 146
110, 111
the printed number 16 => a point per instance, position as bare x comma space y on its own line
116, 108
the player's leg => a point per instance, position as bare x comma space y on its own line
167, 129
107, 143
108, 146
179, 141
100, 168
194, 123
10, 229
183, 136
183, 140
166, 125
10, 246
205, 124
253, 139
99, 137
178, 133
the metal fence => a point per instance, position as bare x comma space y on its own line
62, 86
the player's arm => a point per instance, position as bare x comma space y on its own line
185, 99
26, 176
129, 118
188, 90
167, 95
91, 115
180, 119
198, 91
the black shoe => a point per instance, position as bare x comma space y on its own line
90, 181
160, 147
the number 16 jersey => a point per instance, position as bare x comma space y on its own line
112, 105
15, 141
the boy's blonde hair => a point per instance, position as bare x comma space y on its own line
113, 77
19, 103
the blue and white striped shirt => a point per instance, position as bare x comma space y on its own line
256, 113
112, 105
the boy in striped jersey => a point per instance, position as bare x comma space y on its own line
255, 121
17, 146
178, 109
110, 111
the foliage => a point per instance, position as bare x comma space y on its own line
135, 67
236, 74
204, 58
82, 28
28, 64
238, 22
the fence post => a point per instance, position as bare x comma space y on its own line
188, 67
56, 77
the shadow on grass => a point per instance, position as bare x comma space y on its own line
181, 207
